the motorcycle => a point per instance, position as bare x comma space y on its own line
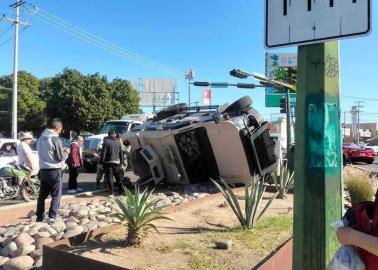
15, 183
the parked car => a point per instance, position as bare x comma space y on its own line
93, 143
372, 147
352, 153
184, 145
6, 159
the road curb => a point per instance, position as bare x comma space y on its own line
63, 198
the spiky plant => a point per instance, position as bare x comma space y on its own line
138, 211
283, 179
253, 197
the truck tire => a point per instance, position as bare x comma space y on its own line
239, 105
170, 111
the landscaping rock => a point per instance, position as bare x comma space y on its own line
41, 235
82, 213
71, 219
57, 236
38, 261
91, 225
71, 225
10, 231
2, 231
3, 260
8, 249
64, 212
19, 263
224, 244
78, 230
32, 231
36, 253
43, 241
8, 240
23, 240
23, 250
59, 226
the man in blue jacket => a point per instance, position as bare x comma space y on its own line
51, 162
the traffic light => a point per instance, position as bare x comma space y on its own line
283, 105
239, 74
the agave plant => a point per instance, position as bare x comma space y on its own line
138, 211
283, 179
253, 197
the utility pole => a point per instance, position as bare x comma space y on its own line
288, 123
318, 157
16, 23
189, 75
358, 120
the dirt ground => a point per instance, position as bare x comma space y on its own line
187, 242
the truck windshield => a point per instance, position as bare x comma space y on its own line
117, 126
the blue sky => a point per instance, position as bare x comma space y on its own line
210, 36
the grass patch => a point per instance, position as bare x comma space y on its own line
269, 233
359, 186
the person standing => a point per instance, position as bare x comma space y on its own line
52, 159
112, 158
25, 153
75, 162
100, 169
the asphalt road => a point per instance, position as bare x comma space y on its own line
372, 167
86, 180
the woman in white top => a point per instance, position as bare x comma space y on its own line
25, 153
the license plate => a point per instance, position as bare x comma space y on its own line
362, 154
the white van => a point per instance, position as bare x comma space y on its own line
93, 143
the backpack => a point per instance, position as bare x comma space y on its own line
366, 214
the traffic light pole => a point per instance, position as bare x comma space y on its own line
288, 123
318, 169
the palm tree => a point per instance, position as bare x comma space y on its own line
138, 211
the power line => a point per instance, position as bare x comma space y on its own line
12, 37
362, 98
95, 40
6, 30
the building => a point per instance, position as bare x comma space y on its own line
366, 131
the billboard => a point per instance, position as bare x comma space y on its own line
206, 97
284, 63
156, 92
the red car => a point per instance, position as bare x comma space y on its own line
352, 153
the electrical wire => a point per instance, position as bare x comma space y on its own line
6, 30
362, 98
95, 40
105, 41
12, 37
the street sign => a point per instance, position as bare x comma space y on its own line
296, 22
274, 61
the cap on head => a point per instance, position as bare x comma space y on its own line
25, 136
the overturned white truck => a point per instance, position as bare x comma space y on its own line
184, 145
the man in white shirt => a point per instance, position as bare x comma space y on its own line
25, 153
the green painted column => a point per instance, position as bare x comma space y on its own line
318, 162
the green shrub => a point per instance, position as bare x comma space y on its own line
253, 197
283, 179
138, 211
359, 186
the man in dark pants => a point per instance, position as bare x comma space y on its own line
112, 158
51, 162
75, 162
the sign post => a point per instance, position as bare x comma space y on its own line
318, 167
318, 157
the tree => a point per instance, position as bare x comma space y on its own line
125, 98
85, 102
31, 116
